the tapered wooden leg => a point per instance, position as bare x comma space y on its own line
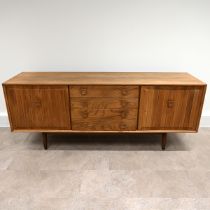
164, 139
44, 140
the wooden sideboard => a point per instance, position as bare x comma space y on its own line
106, 102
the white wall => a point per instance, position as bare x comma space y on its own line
105, 35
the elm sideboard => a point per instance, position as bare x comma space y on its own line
105, 102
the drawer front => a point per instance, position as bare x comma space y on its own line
170, 107
104, 125
104, 91
38, 107
103, 103
104, 114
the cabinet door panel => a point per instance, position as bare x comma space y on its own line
170, 107
39, 107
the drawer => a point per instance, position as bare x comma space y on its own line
105, 125
104, 91
103, 103
105, 114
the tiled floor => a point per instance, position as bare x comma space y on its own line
98, 172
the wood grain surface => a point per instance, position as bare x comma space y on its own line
103, 114
105, 125
104, 107
104, 78
159, 102
104, 91
39, 107
103, 103
166, 107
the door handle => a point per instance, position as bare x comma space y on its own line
170, 103
36, 104
83, 91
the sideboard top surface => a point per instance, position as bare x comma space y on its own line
104, 78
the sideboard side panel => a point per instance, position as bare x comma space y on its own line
203, 92
8, 107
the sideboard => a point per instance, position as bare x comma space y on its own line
105, 102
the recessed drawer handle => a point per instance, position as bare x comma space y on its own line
170, 103
83, 91
123, 126
36, 103
123, 114
124, 92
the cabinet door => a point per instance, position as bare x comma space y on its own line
38, 107
170, 107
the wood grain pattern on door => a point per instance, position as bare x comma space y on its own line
170, 107
39, 107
